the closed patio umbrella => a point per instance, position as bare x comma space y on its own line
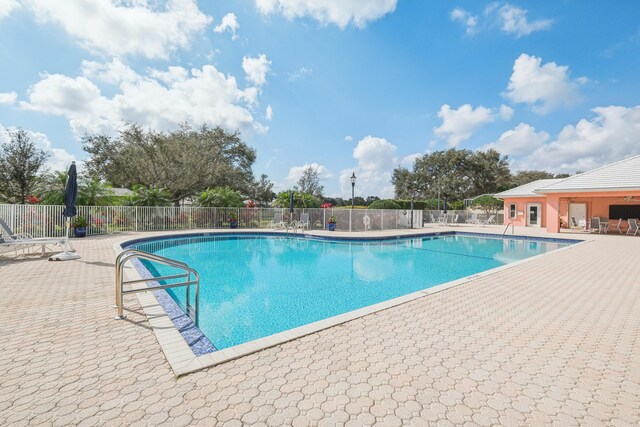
291, 203
445, 206
70, 210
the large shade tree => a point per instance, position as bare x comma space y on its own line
20, 162
456, 174
309, 182
183, 162
263, 192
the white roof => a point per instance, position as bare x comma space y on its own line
622, 175
528, 190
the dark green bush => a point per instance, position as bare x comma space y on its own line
384, 204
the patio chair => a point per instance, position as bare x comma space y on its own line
633, 226
304, 221
277, 221
454, 220
367, 222
490, 220
618, 225
433, 218
25, 240
473, 219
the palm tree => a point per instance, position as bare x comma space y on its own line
150, 196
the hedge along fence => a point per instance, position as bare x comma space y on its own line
47, 220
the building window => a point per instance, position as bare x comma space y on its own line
512, 211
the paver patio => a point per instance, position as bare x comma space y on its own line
555, 340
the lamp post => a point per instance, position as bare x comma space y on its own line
353, 188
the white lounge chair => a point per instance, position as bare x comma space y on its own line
633, 226
24, 240
473, 219
277, 221
454, 221
304, 221
490, 220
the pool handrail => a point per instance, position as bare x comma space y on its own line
128, 254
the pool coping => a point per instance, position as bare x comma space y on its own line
183, 360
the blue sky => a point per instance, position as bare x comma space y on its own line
342, 85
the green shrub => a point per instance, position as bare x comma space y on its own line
384, 204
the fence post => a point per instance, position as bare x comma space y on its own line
135, 217
350, 218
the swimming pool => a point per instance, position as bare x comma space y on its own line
253, 285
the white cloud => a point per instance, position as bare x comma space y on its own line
300, 74
519, 141
59, 159
337, 12
458, 125
376, 158
8, 98
113, 72
466, 18
544, 87
348, 138
514, 21
229, 23
269, 113
506, 112
119, 27
6, 7
256, 68
609, 136
510, 19
295, 173
160, 99
374, 153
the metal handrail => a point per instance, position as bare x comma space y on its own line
510, 223
128, 254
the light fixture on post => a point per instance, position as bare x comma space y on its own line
353, 188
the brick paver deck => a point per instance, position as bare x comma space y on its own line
553, 341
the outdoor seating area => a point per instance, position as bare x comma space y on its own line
24, 242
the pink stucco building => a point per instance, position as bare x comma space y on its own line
610, 192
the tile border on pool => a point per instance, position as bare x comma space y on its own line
183, 360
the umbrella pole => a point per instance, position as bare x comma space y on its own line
67, 254
67, 248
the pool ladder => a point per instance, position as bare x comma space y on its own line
510, 223
128, 254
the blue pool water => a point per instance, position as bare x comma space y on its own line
254, 286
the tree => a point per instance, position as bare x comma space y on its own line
93, 192
525, 177
488, 172
263, 191
300, 200
221, 197
20, 162
371, 199
403, 181
456, 174
488, 204
309, 182
154, 196
384, 204
185, 161
50, 187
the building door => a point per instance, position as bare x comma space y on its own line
533, 214
578, 211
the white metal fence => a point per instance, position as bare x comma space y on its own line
47, 220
